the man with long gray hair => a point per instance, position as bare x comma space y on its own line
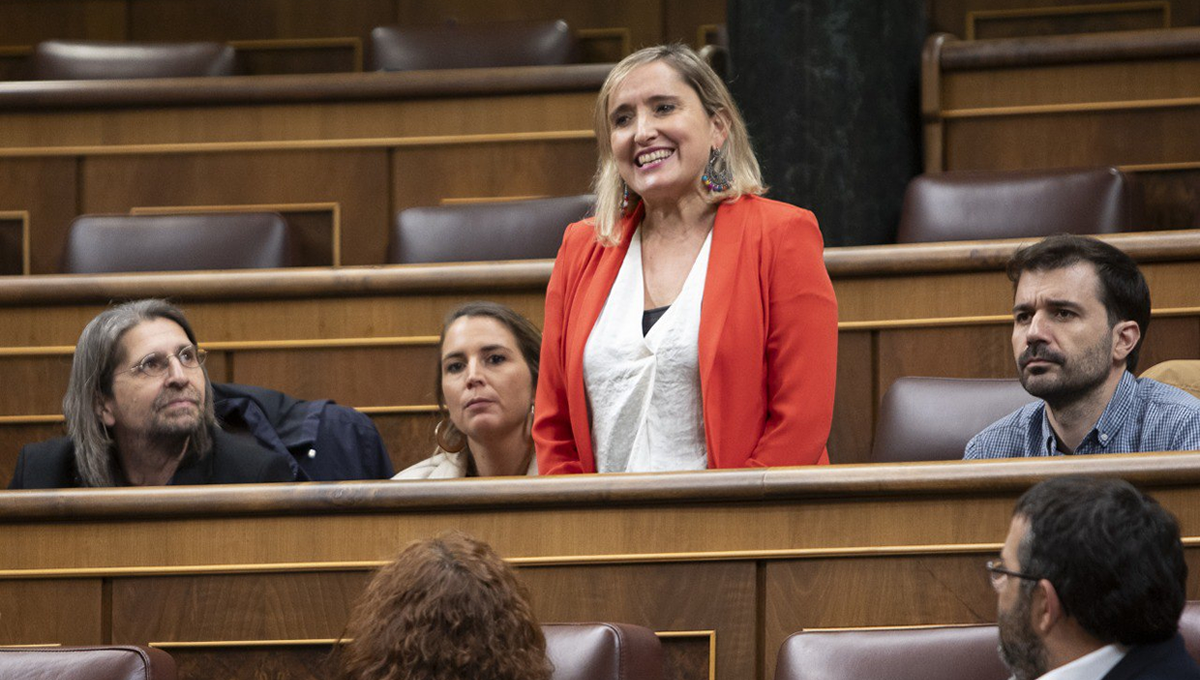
139, 412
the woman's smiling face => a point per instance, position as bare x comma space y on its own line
660, 134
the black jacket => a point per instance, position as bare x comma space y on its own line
1161, 661
51, 465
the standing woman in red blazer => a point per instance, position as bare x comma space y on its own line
691, 323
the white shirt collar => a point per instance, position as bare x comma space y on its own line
1091, 666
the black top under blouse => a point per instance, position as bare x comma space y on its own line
651, 317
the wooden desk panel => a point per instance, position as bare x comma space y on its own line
738, 557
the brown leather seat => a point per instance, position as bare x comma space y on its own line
961, 206
1182, 373
96, 60
86, 663
139, 243
603, 651
508, 230
483, 45
938, 653
934, 418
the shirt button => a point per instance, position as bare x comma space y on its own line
1103, 439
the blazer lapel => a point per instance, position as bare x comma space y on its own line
727, 238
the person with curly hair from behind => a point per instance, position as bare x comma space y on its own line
447, 608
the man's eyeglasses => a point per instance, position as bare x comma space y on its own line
998, 574
155, 365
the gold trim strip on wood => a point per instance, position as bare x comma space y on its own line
936, 322
546, 561
1088, 107
38, 645
368, 410
298, 144
333, 208
915, 626
598, 34
1160, 167
23, 217
284, 44
475, 200
16, 50
209, 644
1067, 10
31, 420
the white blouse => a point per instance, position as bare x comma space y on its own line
644, 391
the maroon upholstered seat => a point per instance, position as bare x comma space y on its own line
483, 45
603, 651
1189, 628
934, 418
86, 663
937, 653
138, 243
508, 230
961, 206
95, 60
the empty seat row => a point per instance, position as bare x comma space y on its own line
393, 48
507, 230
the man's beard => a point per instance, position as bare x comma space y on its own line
170, 432
1077, 377
1020, 647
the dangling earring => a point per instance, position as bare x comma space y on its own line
717, 177
624, 198
451, 440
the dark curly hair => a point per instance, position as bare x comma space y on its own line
447, 608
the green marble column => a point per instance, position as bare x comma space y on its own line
829, 89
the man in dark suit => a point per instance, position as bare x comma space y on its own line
139, 412
1091, 584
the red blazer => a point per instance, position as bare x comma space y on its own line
768, 340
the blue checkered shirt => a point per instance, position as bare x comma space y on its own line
1143, 415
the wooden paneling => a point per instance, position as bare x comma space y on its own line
355, 180
662, 597
408, 436
1170, 338
1026, 18
295, 606
15, 435
1170, 198
426, 175
45, 188
222, 20
37, 612
330, 55
30, 21
854, 403
359, 376
34, 384
228, 662
14, 242
954, 352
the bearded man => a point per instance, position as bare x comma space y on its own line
1090, 585
1080, 312
139, 412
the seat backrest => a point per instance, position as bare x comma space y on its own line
934, 418
509, 230
138, 243
86, 663
483, 45
937, 653
1181, 373
961, 206
1189, 628
603, 651
96, 60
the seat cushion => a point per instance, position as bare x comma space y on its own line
603, 651
485, 45
94, 60
957, 206
925, 419
936, 653
86, 663
137, 243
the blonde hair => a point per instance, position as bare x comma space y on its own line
714, 96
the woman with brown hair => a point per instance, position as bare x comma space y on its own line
446, 608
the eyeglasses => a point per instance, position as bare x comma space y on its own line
998, 574
155, 365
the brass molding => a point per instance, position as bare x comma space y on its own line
16, 50
1160, 167
915, 626
391, 410
21, 216
712, 644
209, 644
334, 208
474, 200
39, 645
31, 420
973, 17
298, 144
929, 322
286, 44
598, 34
1088, 107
